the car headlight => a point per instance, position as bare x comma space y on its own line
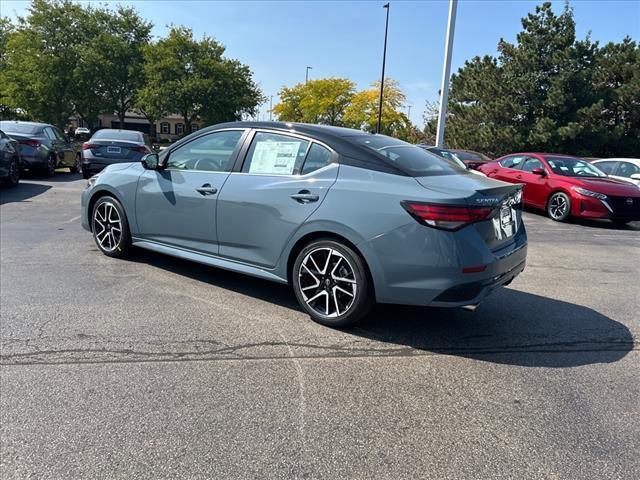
92, 181
589, 193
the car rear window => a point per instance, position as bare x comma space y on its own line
13, 127
409, 158
117, 135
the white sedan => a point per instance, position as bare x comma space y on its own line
621, 168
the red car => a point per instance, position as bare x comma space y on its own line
567, 187
472, 159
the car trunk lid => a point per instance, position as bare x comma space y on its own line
116, 149
499, 228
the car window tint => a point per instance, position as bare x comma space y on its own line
531, 163
512, 162
15, 127
212, 152
58, 134
573, 167
412, 159
274, 154
317, 157
606, 167
109, 134
49, 133
626, 169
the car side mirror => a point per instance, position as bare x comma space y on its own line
150, 161
635, 176
539, 171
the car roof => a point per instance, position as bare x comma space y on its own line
632, 160
339, 139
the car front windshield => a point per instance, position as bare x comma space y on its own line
410, 158
573, 167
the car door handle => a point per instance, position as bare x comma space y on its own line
206, 189
305, 196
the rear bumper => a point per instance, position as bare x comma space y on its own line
418, 265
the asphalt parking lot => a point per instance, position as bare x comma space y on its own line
159, 368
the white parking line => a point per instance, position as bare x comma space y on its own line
72, 219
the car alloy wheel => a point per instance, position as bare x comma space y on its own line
327, 282
77, 166
108, 225
50, 169
331, 283
559, 207
14, 173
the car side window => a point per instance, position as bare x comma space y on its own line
512, 162
626, 169
317, 158
49, 133
607, 167
275, 154
210, 153
58, 134
530, 163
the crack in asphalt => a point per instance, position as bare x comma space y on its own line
331, 351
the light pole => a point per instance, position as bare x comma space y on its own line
384, 60
271, 108
306, 75
409, 111
446, 73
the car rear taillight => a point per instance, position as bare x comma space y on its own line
31, 143
140, 149
447, 217
88, 146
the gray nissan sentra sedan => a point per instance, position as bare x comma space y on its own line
347, 218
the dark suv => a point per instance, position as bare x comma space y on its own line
43, 147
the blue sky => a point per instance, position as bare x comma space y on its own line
344, 39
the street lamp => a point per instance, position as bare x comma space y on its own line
306, 75
384, 60
271, 108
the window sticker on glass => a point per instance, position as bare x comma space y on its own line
274, 157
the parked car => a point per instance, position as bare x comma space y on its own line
627, 169
43, 147
567, 187
9, 160
82, 131
347, 218
472, 159
449, 155
109, 146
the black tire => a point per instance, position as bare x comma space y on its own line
49, 170
343, 279
559, 207
14, 173
86, 174
104, 225
77, 166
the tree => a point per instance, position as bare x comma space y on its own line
362, 112
194, 79
548, 91
320, 101
41, 58
110, 68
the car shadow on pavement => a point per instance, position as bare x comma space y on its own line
22, 192
510, 327
587, 222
